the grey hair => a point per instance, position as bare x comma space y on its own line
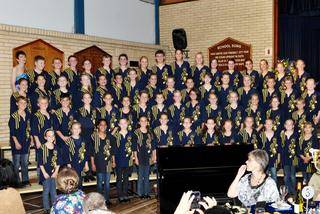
95, 202
261, 157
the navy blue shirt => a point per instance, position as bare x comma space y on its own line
210, 139
39, 124
49, 159
181, 73
78, 153
97, 99
110, 116
198, 74
183, 139
271, 146
289, 149
144, 146
162, 75
163, 138
124, 146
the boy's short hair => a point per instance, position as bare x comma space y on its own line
123, 55
65, 95
38, 58
160, 52
21, 98
72, 56
43, 98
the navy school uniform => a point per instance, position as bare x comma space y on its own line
304, 149
235, 115
271, 146
225, 139
300, 82
195, 113
222, 94
266, 97
162, 75
20, 128
132, 92
258, 115
278, 119
155, 115
87, 119
129, 116
181, 73
118, 93
245, 96
184, 139
210, 139
52, 80
62, 122
73, 77
209, 112
204, 93
49, 159
280, 82
34, 98
143, 77
235, 78
124, 73
144, 146
13, 102
92, 80
254, 78
198, 74
299, 121
262, 81
152, 91
289, 149
312, 103
109, 74
97, 99
39, 124
245, 137
55, 98
77, 97
176, 115
168, 97
185, 96
124, 146
216, 78
288, 103
138, 112
110, 116
32, 76
163, 138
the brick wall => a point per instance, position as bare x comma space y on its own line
209, 21
14, 36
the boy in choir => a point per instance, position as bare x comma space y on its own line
40, 91
215, 73
212, 110
227, 135
256, 111
235, 75
152, 88
143, 72
269, 92
97, 101
102, 158
85, 87
54, 74
123, 65
132, 86
300, 115
181, 70
20, 139
62, 88
126, 112
276, 114
233, 111
248, 135
157, 110
206, 88
142, 108
168, 91
185, 91
177, 111
254, 75
163, 134
145, 154
49, 162
245, 92
124, 147
77, 151
118, 89
187, 137
312, 99
162, 69
199, 69
72, 74
108, 112
300, 76
39, 64
106, 69
19, 71
223, 90
288, 97
264, 74
21, 91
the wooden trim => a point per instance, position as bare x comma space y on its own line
275, 30
35, 41
167, 2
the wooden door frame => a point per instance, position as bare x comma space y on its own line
275, 30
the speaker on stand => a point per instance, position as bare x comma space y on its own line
179, 39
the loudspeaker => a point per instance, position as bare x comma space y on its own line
179, 38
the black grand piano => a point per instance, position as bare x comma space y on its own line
207, 169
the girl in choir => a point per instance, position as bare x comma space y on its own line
62, 84
85, 87
185, 91
162, 69
254, 75
72, 74
245, 92
106, 69
132, 86
126, 112
264, 74
151, 88
233, 111
187, 137
198, 70
210, 136
157, 110
248, 135
168, 91
123, 65
124, 147
269, 142
77, 151
118, 89
223, 90
212, 110
163, 134
102, 158
177, 111
307, 141
288, 97
300, 116
19, 71
20, 139
227, 135
193, 110
143, 72
21, 91
206, 88
108, 112
276, 114
269, 92
49, 162
300, 76
55, 73
235, 75
215, 73
145, 154
142, 108
290, 147
280, 75
180, 69
40, 91
256, 111
97, 100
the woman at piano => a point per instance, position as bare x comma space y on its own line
256, 185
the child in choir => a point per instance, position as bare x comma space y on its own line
300, 116
124, 147
20, 139
227, 135
185, 91
123, 65
307, 141
56, 94
254, 75
85, 87
233, 111
21, 91
87, 66
245, 92
163, 134
223, 90
162, 69
290, 147
77, 151
180, 69
108, 112
19, 71
312, 99
280, 75
198, 70
118, 89
210, 136
39, 64
300, 76
276, 114
102, 158
72, 74
40, 91
288, 97
269, 142
177, 111
157, 110
41, 121
187, 137
206, 88
248, 135
144, 154
215, 73
142, 108
132, 86
193, 110
106, 69
152, 88
269, 92
264, 74
235, 75
212, 110
126, 112
97, 101
143, 72
256, 111
54, 74
49, 162
168, 91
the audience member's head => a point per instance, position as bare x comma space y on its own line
67, 180
95, 203
218, 210
8, 177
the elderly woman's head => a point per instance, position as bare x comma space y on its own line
68, 180
257, 160
95, 203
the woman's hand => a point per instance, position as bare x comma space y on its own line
185, 203
242, 170
208, 202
